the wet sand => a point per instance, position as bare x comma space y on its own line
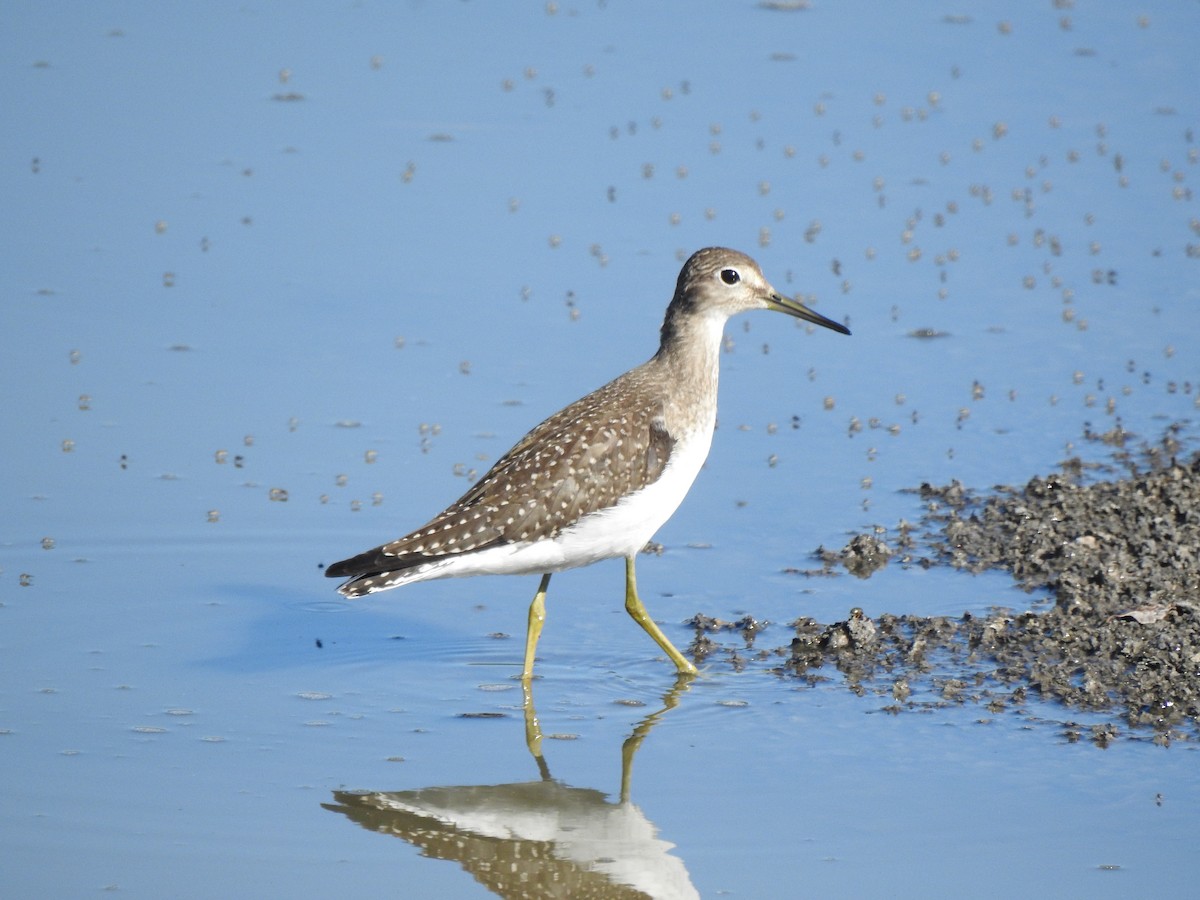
1116, 545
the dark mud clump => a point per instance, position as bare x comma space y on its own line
1120, 557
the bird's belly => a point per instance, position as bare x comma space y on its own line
618, 531
623, 529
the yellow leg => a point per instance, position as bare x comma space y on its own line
683, 681
533, 730
537, 618
633, 606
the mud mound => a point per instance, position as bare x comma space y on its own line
1120, 556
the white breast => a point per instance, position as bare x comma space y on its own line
623, 530
619, 531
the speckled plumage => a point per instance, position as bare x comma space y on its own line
599, 477
582, 459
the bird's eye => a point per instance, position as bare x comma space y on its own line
730, 276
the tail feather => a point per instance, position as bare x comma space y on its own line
369, 584
375, 570
364, 564
376, 562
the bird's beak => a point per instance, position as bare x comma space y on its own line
800, 311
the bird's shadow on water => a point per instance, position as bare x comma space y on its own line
540, 837
284, 629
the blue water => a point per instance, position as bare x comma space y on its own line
361, 249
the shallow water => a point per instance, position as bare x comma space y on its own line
352, 287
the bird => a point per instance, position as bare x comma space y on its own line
598, 478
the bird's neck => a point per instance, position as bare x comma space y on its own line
689, 359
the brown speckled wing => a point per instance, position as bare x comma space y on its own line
580, 460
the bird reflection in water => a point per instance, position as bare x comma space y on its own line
536, 838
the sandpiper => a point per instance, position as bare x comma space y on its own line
597, 479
